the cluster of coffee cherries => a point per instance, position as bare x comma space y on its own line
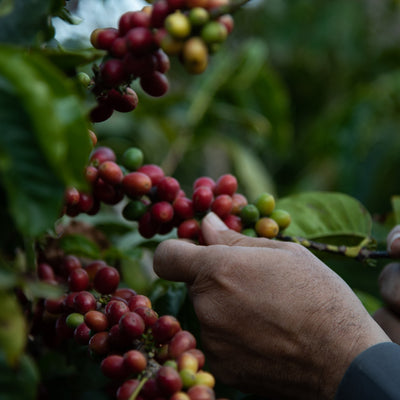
158, 204
144, 355
141, 45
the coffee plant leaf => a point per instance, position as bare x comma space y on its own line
19, 381
326, 215
168, 297
33, 192
55, 111
13, 329
396, 208
80, 245
26, 22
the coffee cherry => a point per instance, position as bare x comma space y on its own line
55, 306
202, 198
249, 214
178, 25
162, 211
86, 202
163, 62
180, 396
93, 267
168, 189
198, 16
226, 184
154, 83
84, 301
267, 227
69, 263
168, 380
103, 38
188, 377
99, 343
140, 41
238, 202
126, 390
159, 12
183, 208
188, 361
139, 300
201, 392
132, 158
189, 229
101, 113
110, 172
165, 328
113, 367
45, 272
96, 320
153, 171
282, 218
133, 210
134, 361
71, 196
147, 226
123, 102
131, 325
114, 311
148, 315
78, 280
181, 342
112, 73
201, 359
106, 280
195, 55
265, 203
214, 32
204, 378
233, 222
136, 184
82, 334
102, 154
222, 205
125, 294
133, 19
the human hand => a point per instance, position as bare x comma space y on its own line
388, 317
275, 320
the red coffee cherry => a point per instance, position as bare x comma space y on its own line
162, 212
155, 84
189, 229
110, 172
148, 314
147, 227
226, 184
165, 328
78, 280
113, 367
222, 205
96, 320
123, 102
71, 196
136, 184
183, 208
238, 202
140, 40
233, 222
106, 280
202, 198
168, 189
153, 171
82, 334
84, 301
168, 380
99, 343
181, 342
134, 361
101, 112
114, 310
102, 154
103, 38
131, 325
126, 390
159, 13
139, 300
46, 272
112, 73
204, 181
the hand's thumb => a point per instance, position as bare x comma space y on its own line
214, 231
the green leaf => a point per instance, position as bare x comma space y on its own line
33, 191
322, 215
370, 302
25, 22
396, 208
168, 298
80, 245
20, 381
250, 171
13, 329
56, 112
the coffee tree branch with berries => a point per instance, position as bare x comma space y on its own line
83, 316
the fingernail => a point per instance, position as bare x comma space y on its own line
215, 222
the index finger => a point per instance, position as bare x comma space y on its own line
173, 260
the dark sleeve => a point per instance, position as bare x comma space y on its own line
373, 375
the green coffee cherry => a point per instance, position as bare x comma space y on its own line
249, 214
134, 210
198, 16
265, 203
282, 218
74, 319
214, 32
132, 158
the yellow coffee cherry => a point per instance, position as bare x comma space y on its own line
205, 378
267, 227
178, 25
195, 55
